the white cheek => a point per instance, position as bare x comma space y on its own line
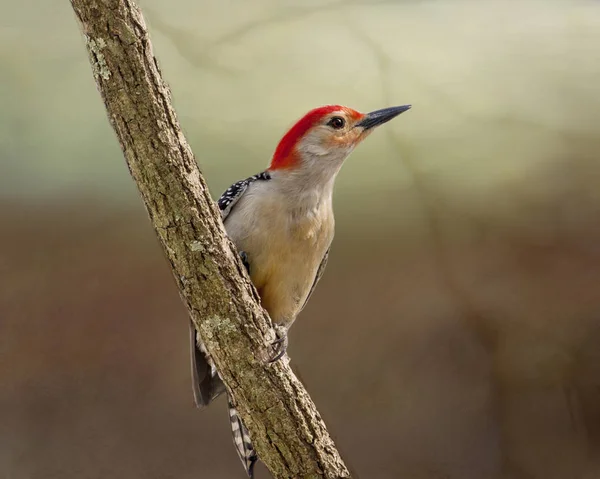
315, 147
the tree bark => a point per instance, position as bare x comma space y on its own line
286, 428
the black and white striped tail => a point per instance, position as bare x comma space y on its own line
241, 440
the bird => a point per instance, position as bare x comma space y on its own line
282, 223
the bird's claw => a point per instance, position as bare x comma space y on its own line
280, 344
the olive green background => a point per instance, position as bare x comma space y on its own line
455, 333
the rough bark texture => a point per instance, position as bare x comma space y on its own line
287, 431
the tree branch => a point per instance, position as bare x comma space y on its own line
287, 431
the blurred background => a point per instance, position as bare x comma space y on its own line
455, 333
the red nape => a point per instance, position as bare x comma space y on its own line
284, 156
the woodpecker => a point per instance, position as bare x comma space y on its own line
281, 221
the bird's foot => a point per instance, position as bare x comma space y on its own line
280, 344
244, 257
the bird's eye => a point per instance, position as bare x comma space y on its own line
337, 122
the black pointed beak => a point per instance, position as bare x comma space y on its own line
379, 117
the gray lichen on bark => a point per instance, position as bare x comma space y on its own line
99, 66
287, 431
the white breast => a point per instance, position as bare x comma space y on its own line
285, 237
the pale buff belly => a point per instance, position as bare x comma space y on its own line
284, 255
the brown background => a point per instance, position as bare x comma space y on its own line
455, 333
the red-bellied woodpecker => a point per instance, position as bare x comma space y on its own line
281, 221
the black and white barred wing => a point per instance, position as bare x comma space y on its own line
232, 194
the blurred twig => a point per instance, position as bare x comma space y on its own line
186, 44
202, 53
286, 428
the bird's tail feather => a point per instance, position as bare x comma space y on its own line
241, 440
206, 383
